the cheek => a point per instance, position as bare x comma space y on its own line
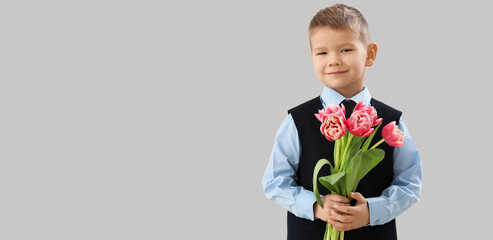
319, 67
356, 61
352, 61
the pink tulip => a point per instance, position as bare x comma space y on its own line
333, 121
360, 124
333, 126
392, 135
330, 109
370, 111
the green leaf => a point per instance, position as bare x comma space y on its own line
336, 182
369, 159
319, 166
355, 146
360, 165
352, 171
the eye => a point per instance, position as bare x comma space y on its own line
346, 50
321, 53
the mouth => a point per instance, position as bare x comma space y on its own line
336, 72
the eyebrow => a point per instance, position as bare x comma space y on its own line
342, 44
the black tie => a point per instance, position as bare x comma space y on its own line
349, 105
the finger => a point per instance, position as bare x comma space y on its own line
339, 212
339, 226
335, 209
344, 209
338, 198
359, 198
343, 218
329, 206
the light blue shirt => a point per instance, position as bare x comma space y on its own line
279, 180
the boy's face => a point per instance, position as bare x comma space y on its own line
339, 59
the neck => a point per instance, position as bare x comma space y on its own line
350, 91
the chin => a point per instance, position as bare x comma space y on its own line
335, 85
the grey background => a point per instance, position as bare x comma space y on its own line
156, 119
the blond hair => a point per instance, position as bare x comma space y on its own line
341, 17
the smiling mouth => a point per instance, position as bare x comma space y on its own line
335, 73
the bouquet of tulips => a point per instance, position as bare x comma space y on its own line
353, 157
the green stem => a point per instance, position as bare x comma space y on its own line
378, 143
336, 156
344, 160
336, 234
347, 145
344, 139
370, 138
327, 232
331, 232
336, 163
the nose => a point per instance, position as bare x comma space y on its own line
333, 60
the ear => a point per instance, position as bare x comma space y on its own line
371, 54
311, 54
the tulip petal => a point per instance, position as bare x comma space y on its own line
392, 135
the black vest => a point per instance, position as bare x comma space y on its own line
314, 147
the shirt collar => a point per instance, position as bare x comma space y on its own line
330, 96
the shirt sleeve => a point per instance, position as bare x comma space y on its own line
279, 180
405, 189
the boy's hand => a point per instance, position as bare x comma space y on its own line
328, 201
345, 217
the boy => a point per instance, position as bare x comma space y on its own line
340, 50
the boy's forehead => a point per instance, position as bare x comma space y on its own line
328, 37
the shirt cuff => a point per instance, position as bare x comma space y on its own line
378, 210
304, 204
